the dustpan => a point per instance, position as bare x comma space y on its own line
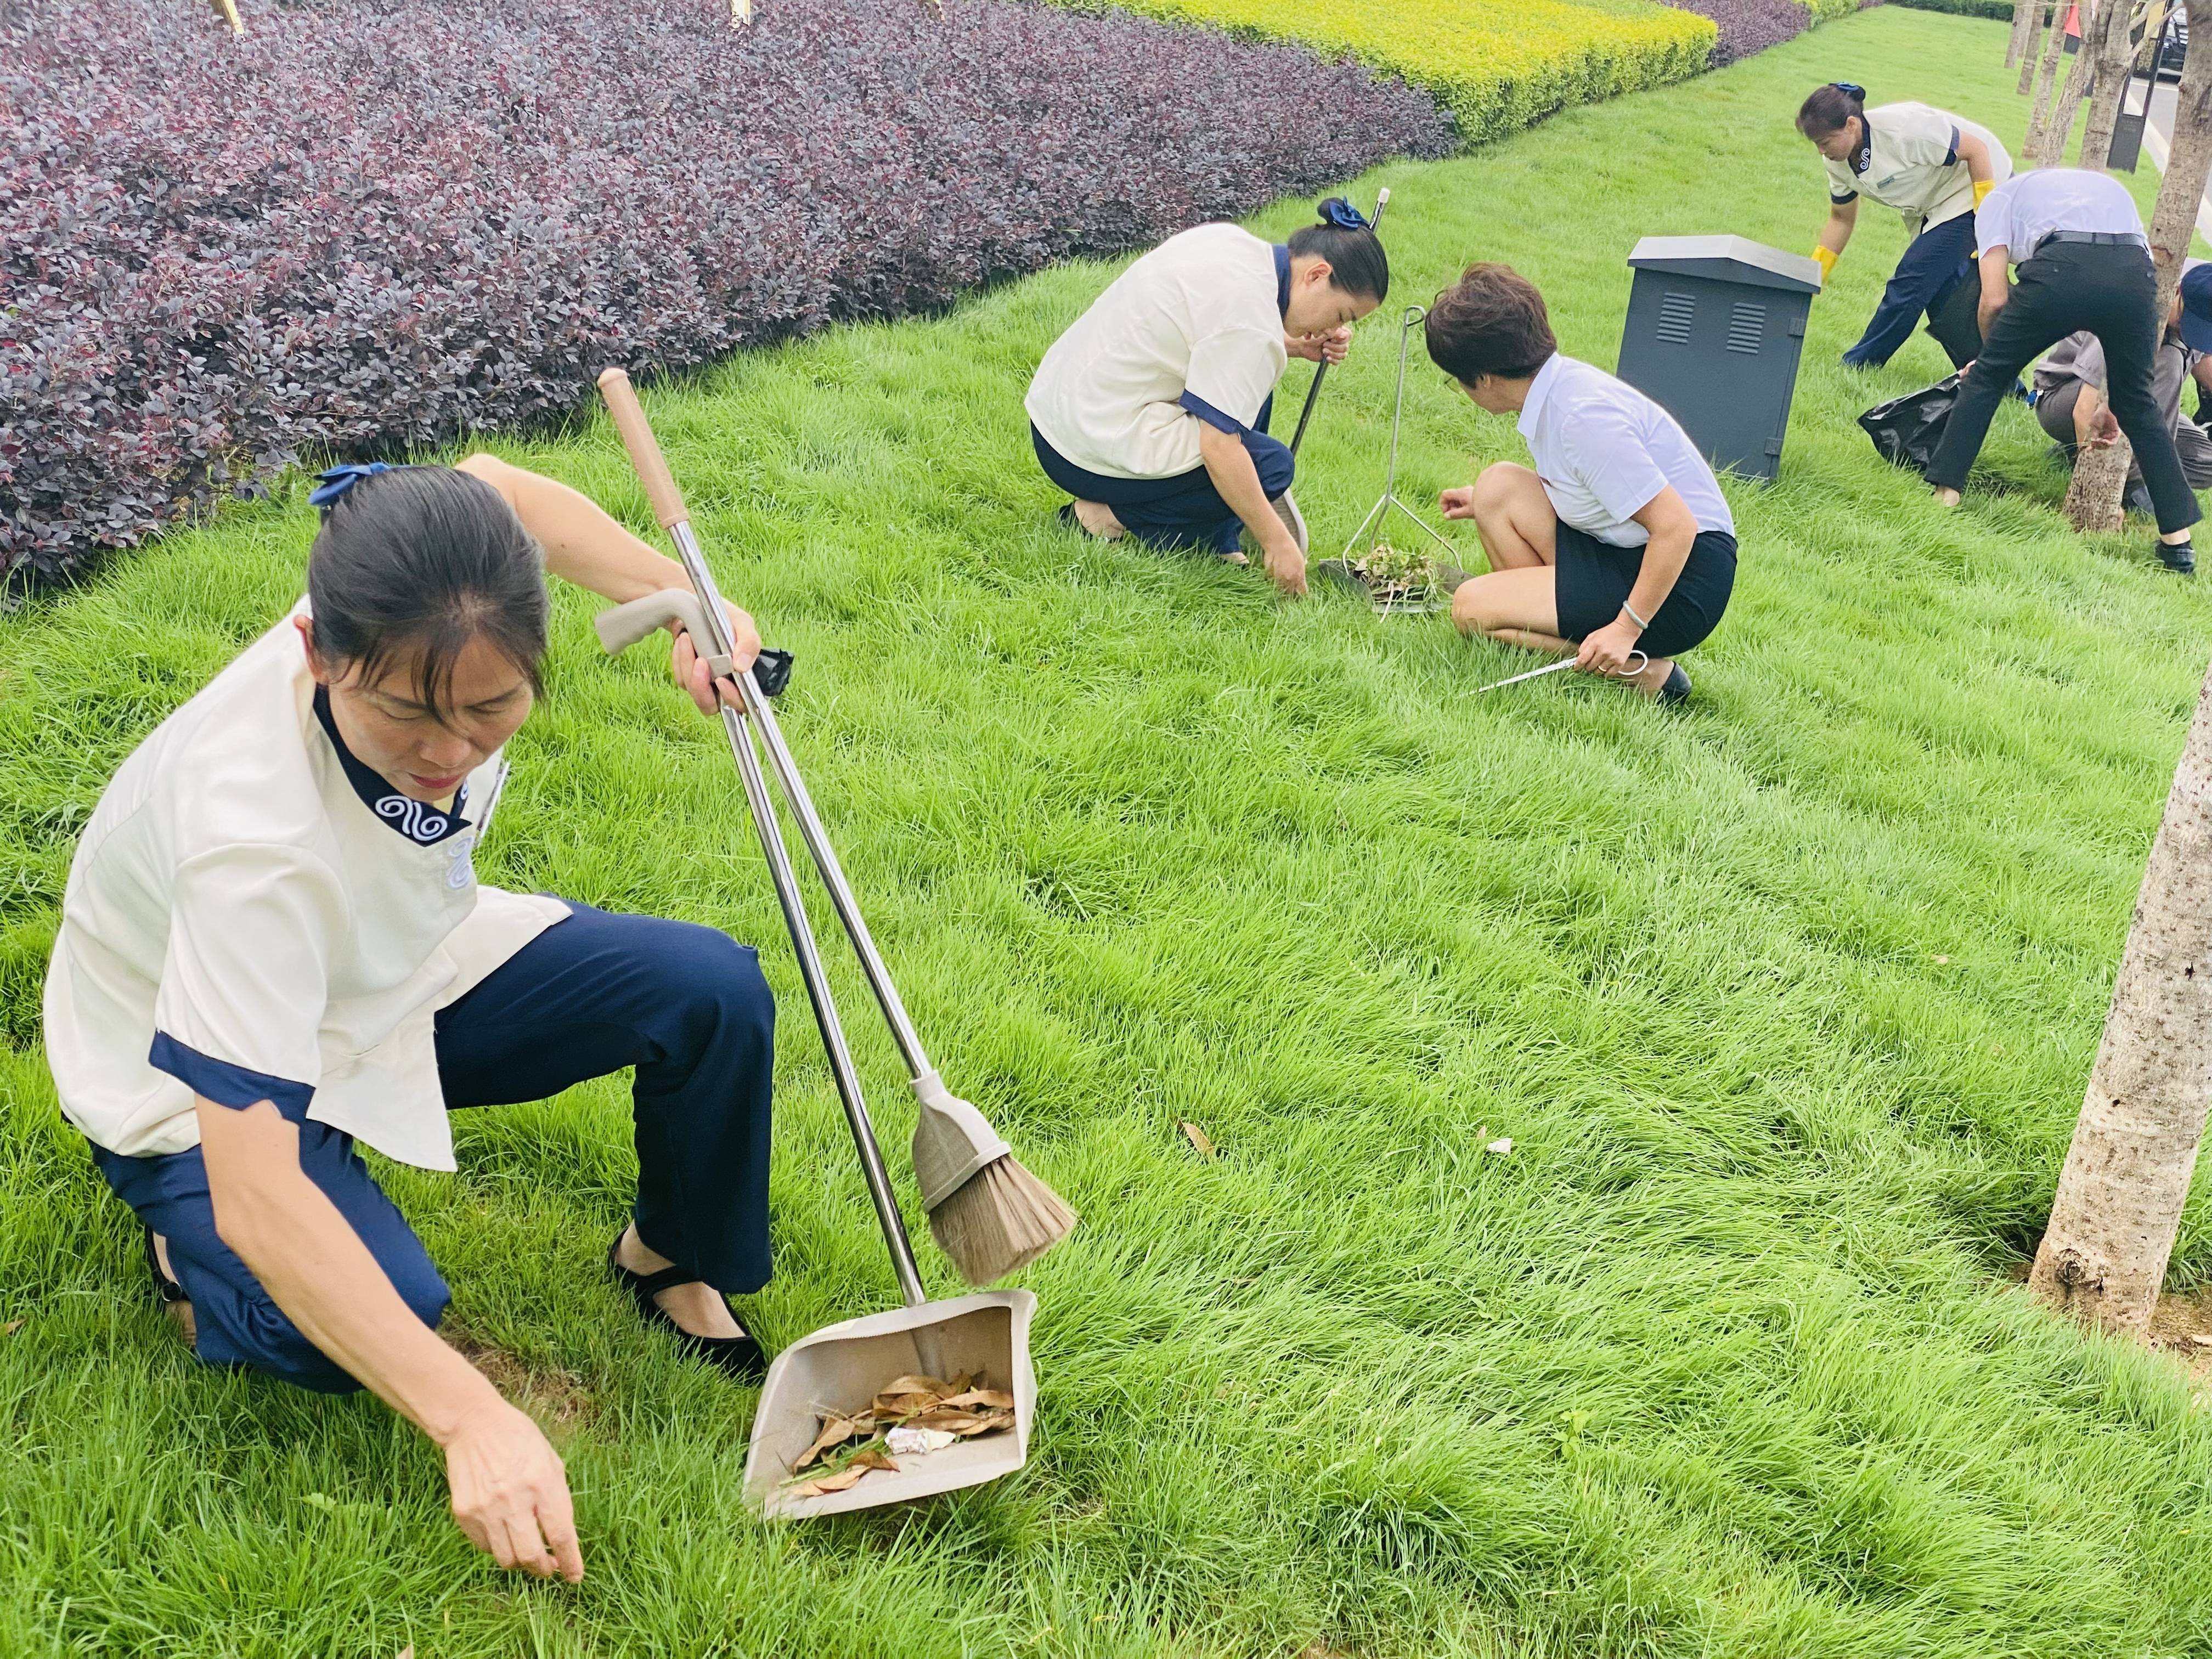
845, 1365
841, 1368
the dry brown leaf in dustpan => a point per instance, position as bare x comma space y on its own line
993, 1398
910, 1395
829, 1483
836, 1432
936, 1385
869, 1458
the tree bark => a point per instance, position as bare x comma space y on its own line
2039, 113
2108, 80
2044, 16
2024, 13
2188, 165
2094, 498
2119, 1198
2075, 88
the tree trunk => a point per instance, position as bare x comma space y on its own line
2041, 111
2094, 498
2060, 127
2108, 79
2188, 165
2024, 13
2032, 48
2119, 1198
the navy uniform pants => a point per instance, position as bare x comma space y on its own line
685, 1005
1934, 263
1182, 511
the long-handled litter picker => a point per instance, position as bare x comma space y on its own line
839, 1369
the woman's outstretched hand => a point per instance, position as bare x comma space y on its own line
1458, 503
511, 1494
690, 668
1606, 651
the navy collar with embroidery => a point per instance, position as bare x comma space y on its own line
421, 822
1282, 279
1863, 157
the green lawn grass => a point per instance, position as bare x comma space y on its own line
1786, 1001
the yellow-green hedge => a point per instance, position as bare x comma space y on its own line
1497, 65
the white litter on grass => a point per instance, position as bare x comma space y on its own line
1501, 1146
912, 1443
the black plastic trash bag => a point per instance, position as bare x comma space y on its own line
1907, 430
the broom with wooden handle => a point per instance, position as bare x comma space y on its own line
988, 1213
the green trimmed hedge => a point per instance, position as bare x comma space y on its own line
1497, 68
2000, 9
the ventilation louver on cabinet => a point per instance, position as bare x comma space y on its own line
1747, 327
1676, 312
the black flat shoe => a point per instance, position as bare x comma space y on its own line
2180, 558
166, 1291
741, 1356
1677, 688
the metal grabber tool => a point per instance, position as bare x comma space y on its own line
841, 1367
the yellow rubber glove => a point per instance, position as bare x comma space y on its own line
1982, 188
1827, 257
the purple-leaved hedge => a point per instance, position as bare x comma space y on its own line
359, 230
1750, 25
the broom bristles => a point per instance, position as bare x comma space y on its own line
999, 1220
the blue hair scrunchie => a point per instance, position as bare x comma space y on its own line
340, 479
1341, 213
1849, 91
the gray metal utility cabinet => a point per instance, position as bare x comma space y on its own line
1714, 326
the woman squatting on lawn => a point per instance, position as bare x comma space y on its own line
273, 944
1934, 167
1619, 548
1153, 409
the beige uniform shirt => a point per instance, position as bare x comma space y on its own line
1910, 162
1197, 315
235, 907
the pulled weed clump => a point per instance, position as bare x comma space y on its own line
357, 232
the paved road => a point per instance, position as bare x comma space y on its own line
2158, 134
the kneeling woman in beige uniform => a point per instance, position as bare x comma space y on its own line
273, 945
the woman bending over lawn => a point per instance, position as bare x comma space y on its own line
1153, 409
1618, 547
273, 944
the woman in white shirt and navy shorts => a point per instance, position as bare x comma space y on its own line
1618, 547
273, 945
1152, 410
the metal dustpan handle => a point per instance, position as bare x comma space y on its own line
668, 507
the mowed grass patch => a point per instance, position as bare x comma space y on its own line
1785, 1002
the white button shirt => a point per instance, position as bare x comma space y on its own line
2020, 213
1910, 162
1603, 450
1196, 314
234, 906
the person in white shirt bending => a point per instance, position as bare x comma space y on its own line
273, 944
1619, 542
1153, 409
1934, 167
2084, 265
